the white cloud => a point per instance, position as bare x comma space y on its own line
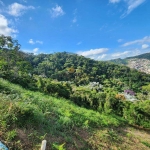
116, 55
75, 16
120, 54
131, 5
145, 46
75, 12
39, 42
1, 2
123, 54
25, 1
104, 55
56, 11
92, 52
31, 41
74, 20
130, 53
120, 40
17, 9
79, 43
140, 41
4, 27
114, 1
101, 57
103, 27
140, 46
35, 50
35, 42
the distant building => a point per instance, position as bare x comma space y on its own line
129, 95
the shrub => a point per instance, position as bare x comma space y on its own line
22, 114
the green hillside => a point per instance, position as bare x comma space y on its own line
71, 101
38, 116
119, 61
82, 71
29, 117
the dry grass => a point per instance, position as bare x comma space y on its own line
122, 138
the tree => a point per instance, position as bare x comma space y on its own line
6, 42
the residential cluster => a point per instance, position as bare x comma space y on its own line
142, 65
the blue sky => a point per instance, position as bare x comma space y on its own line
98, 29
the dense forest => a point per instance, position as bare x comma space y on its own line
81, 70
103, 87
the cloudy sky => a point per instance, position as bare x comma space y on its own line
98, 29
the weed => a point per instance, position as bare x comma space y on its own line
11, 135
3, 125
146, 143
59, 147
42, 137
129, 135
86, 124
112, 135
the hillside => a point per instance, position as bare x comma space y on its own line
28, 117
71, 67
140, 62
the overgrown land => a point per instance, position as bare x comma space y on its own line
73, 102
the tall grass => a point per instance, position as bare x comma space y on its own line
43, 114
44, 105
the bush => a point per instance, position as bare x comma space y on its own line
138, 113
22, 114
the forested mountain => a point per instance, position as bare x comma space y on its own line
71, 67
119, 61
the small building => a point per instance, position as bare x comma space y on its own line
130, 95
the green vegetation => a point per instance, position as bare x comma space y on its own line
44, 115
82, 71
120, 61
71, 101
146, 143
